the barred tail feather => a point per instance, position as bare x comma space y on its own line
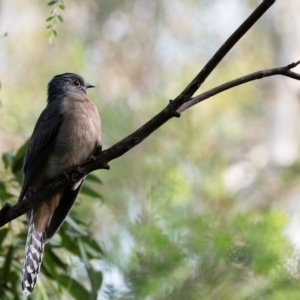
33, 257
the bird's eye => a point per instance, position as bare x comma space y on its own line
76, 83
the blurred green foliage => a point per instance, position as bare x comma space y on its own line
74, 243
199, 210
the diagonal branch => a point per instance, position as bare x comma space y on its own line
9, 213
170, 110
224, 49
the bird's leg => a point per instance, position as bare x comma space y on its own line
98, 150
92, 156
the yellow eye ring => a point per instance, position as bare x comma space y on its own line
76, 83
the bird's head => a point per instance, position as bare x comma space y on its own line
67, 83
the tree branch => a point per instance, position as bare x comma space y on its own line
9, 213
285, 71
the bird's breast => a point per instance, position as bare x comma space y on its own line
77, 138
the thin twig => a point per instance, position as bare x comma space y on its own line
285, 71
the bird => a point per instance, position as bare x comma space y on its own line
67, 132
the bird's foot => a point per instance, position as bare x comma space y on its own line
98, 150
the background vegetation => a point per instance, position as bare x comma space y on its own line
208, 206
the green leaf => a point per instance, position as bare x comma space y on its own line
94, 178
60, 18
62, 6
73, 224
19, 157
3, 193
49, 19
83, 254
92, 247
73, 287
96, 279
77, 219
52, 2
55, 259
69, 244
94, 276
49, 267
8, 159
3, 233
54, 32
86, 190
49, 35
8, 260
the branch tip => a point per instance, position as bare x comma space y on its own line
5, 209
105, 166
176, 114
293, 65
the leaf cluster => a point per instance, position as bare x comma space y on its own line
54, 18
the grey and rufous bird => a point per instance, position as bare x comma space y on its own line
66, 133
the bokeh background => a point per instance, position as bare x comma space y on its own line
208, 207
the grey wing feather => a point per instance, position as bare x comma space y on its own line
41, 143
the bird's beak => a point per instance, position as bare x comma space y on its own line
88, 85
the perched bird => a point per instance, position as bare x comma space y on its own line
66, 133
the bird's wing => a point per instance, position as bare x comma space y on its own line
41, 143
66, 202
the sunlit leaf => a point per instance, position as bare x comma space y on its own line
96, 279
8, 159
62, 6
52, 2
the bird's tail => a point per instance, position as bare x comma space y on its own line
33, 256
